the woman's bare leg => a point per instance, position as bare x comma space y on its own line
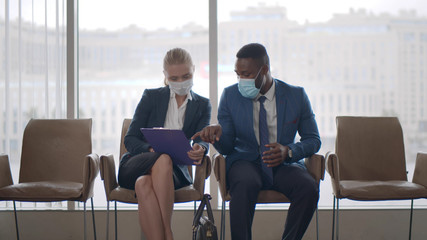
150, 218
162, 180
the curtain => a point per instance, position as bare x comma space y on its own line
32, 69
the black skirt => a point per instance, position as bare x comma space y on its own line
133, 167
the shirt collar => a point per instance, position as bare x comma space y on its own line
189, 98
269, 95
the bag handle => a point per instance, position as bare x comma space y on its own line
199, 212
204, 202
208, 208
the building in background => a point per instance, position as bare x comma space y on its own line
355, 64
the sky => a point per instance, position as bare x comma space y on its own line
178, 13
114, 14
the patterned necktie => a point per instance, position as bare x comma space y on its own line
263, 140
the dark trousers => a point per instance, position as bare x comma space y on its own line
245, 182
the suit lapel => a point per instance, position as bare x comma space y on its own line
190, 112
247, 120
281, 105
163, 99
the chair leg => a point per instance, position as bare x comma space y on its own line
410, 219
93, 219
84, 219
317, 223
333, 219
338, 219
115, 217
222, 233
108, 220
16, 220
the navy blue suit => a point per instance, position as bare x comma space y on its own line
240, 147
151, 112
294, 114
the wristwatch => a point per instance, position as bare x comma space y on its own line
289, 152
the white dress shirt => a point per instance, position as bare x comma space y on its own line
270, 108
175, 116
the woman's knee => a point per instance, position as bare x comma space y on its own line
143, 185
163, 164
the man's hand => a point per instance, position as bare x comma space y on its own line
196, 154
209, 134
276, 155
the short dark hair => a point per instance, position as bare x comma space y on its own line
255, 51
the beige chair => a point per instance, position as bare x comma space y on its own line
116, 193
369, 164
315, 165
57, 164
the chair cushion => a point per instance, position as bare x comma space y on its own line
123, 195
381, 190
185, 194
46, 191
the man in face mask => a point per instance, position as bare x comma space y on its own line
258, 121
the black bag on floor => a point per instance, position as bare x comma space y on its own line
204, 226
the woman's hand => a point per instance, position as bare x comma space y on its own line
197, 154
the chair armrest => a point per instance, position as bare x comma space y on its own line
316, 166
203, 171
420, 173
332, 167
5, 173
108, 173
90, 171
220, 174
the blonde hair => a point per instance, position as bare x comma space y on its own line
176, 56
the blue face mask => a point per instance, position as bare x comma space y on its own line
247, 86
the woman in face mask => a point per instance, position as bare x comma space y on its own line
153, 175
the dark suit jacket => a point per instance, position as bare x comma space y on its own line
294, 114
151, 112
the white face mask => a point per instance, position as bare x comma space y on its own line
181, 88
